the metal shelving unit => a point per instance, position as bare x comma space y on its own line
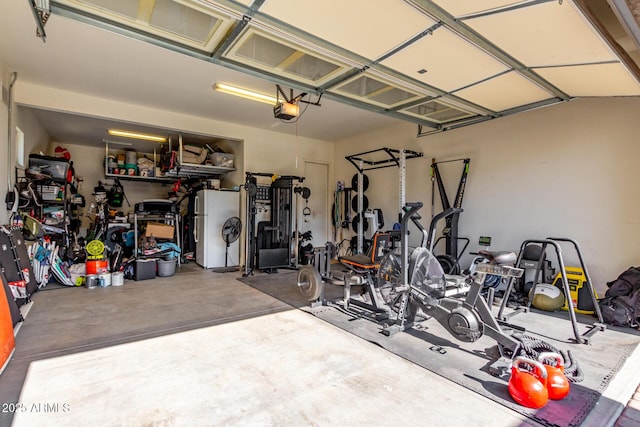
165, 179
182, 170
167, 218
109, 146
197, 171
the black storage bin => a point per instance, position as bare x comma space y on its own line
145, 269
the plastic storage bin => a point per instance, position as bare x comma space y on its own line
57, 168
145, 269
224, 160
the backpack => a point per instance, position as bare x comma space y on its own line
617, 312
626, 283
621, 305
116, 195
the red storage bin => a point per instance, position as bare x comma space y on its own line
97, 266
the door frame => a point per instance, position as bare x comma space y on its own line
329, 165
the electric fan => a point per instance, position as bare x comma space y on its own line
230, 233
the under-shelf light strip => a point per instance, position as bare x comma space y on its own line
136, 135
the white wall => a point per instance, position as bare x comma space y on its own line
566, 171
36, 139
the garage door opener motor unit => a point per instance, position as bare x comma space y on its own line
286, 111
288, 107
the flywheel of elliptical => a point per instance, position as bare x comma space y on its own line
390, 280
465, 324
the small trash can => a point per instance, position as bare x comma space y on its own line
166, 267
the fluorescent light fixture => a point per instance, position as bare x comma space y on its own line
244, 93
136, 135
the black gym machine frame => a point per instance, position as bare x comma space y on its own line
392, 157
268, 244
451, 257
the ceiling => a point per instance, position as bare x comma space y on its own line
440, 64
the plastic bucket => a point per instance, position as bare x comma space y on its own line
117, 278
92, 281
131, 157
104, 280
167, 268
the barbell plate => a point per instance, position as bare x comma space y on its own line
365, 182
309, 282
354, 203
356, 220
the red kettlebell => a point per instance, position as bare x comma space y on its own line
528, 383
557, 382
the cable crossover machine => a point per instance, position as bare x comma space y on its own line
269, 221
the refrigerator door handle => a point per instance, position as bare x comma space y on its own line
196, 205
195, 229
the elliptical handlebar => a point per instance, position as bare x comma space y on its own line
434, 222
409, 210
417, 205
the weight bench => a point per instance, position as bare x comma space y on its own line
363, 269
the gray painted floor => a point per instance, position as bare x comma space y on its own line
201, 348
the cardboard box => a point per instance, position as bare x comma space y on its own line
159, 230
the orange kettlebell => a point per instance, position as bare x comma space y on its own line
528, 383
557, 382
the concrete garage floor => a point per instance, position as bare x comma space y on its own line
202, 348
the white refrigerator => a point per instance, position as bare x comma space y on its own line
212, 209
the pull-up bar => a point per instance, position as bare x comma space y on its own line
392, 160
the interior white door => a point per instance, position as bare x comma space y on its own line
317, 180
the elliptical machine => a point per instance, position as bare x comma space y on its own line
417, 281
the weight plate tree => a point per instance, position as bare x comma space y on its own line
359, 204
